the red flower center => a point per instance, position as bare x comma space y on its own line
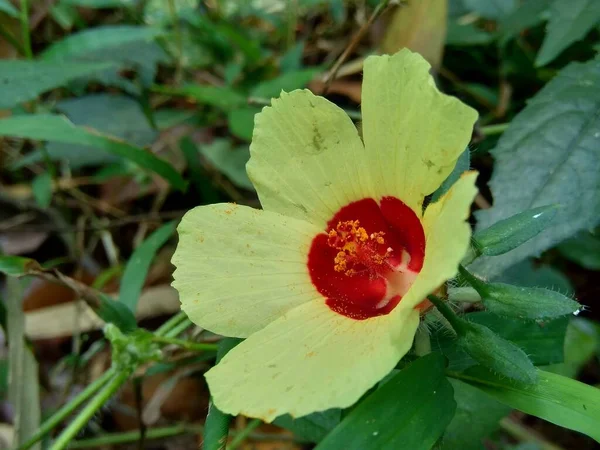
368, 257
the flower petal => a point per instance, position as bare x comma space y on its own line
307, 159
447, 234
240, 268
412, 132
311, 359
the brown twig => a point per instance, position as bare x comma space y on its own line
482, 202
89, 295
379, 9
157, 218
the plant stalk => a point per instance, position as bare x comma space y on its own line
243, 434
68, 409
24, 17
65, 438
192, 346
217, 422
448, 314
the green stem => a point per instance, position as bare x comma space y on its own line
25, 29
180, 328
170, 324
67, 409
192, 346
491, 130
448, 314
217, 422
475, 282
292, 22
128, 437
243, 434
11, 40
179, 40
134, 436
88, 412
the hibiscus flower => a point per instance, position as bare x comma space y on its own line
327, 281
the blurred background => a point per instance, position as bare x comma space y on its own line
183, 79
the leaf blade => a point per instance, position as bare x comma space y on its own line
23, 374
58, 129
138, 265
25, 80
557, 399
549, 155
569, 22
94, 39
8, 8
396, 417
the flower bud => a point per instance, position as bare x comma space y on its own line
501, 356
521, 302
510, 233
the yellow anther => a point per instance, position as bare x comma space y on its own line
357, 248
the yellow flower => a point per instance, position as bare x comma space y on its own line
326, 281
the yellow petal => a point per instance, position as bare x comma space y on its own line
447, 235
310, 359
307, 160
412, 132
239, 268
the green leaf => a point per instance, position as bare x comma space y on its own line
537, 165
65, 15
288, 81
24, 80
528, 14
139, 263
462, 165
24, 391
491, 9
291, 60
58, 129
543, 343
159, 11
497, 354
396, 416
126, 47
117, 313
198, 176
8, 8
311, 428
583, 249
508, 234
115, 115
228, 160
569, 22
100, 4
17, 265
42, 189
477, 415
241, 122
467, 34
221, 97
521, 302
581, 342
216, 427
526, 273
94, 39
557, 399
